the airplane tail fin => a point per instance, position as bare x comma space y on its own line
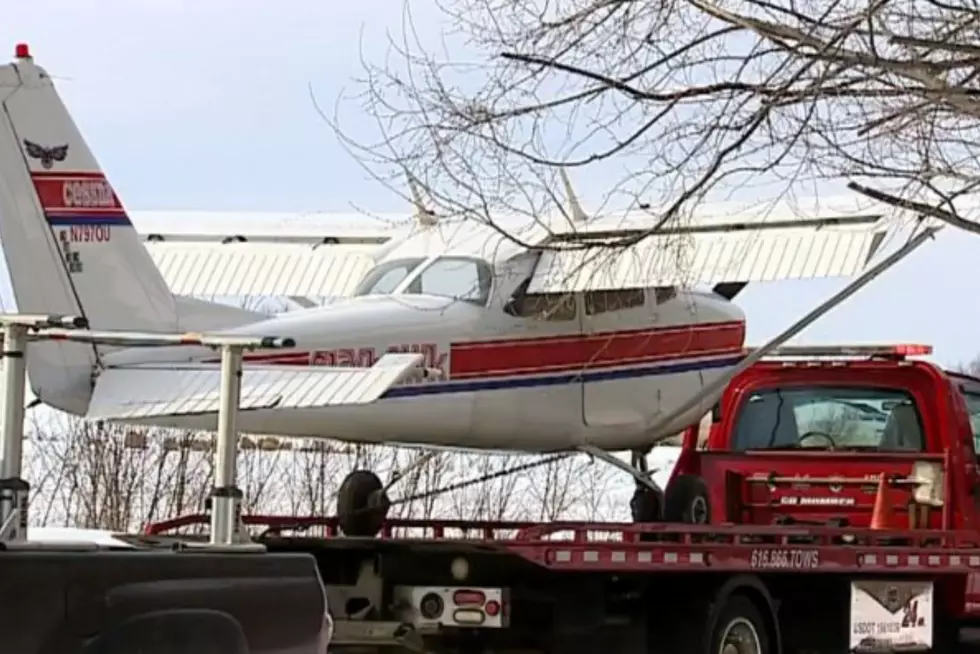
67, 240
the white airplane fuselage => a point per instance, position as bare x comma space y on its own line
548, 370
506, 382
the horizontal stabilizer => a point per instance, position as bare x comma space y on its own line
249, 269
151, 391
267, 227
709, 257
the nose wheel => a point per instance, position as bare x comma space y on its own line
362, 504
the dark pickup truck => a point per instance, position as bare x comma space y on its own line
126, 594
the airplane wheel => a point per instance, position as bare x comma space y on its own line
686, 501
646, 505
362, 504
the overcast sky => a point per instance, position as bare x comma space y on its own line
206, 105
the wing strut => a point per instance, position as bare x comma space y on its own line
655, 427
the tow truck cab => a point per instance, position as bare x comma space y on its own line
834, 435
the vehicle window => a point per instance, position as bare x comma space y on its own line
385, 278
973, 407
546, 306
460, 278
541, 306
602, 301
816, 417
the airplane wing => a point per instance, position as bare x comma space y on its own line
146, 391
250, 269
713, 254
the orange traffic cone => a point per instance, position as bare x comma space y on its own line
881, 514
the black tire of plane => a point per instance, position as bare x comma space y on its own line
362, 504
740, 620
175, 631
687, 501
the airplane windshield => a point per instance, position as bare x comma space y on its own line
384, 279
822, 417
461, 278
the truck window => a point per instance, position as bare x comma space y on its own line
973, 406
821, 417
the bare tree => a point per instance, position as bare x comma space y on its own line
696, 98
971, 368
102, 475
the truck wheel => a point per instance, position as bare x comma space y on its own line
739, 629
362, 504
686, 501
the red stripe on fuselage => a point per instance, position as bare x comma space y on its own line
603, 350
552, 354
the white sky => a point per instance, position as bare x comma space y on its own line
206, 105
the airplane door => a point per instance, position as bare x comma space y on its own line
614, 347
534, 387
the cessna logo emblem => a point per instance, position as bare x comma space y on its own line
47, 156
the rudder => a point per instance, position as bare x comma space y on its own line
68, 242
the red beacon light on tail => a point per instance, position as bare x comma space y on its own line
22, 51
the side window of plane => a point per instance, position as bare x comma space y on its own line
555, 307
597, 302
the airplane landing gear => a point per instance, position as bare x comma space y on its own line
647, 503
362, 504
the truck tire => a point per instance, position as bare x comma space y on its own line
686, 501
177, 631
739, 628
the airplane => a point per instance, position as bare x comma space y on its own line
552, 338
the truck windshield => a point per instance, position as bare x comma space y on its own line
822, 417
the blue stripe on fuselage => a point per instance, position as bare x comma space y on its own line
69, 219
470, 386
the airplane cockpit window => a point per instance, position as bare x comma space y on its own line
541, 306
384, 279
597, 302
829, 418
460, 278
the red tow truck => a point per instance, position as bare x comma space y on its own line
838, 494
822, 435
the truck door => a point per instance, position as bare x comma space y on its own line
970, 389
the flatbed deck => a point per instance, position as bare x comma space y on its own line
643, 547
